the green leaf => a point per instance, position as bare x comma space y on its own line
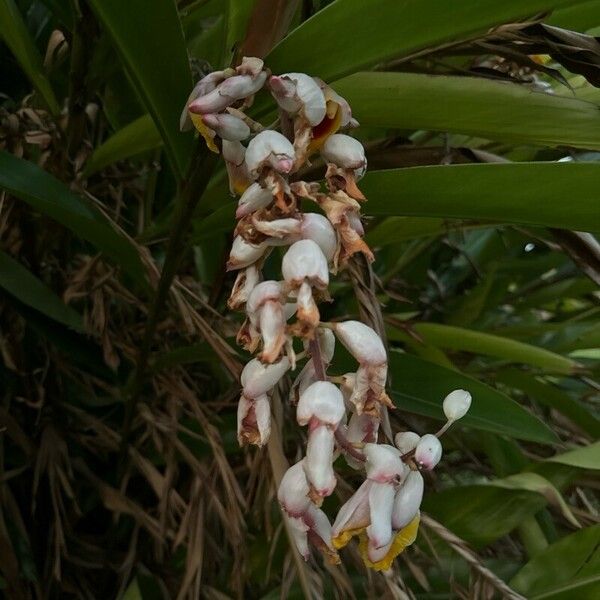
478, 342
49, 196
238, 14
148, 36
552, 396
567, 570
581, 17
536, 483
349, 35
481, 514
548, 194
138, 136
14, 32
27, 288
473, 106
422, 386
585, 457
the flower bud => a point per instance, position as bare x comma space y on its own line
322, 401
227, 126
319, 460
243, 254
346, 152
305, 260
361, 341
204, 86
406, 441
293, 490
269, 148
254, 198
457, 404
266, 291
299, 93
428, 452
257, 378
234, 154
317, 228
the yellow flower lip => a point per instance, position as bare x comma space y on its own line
341, 540
207, 133
402, 539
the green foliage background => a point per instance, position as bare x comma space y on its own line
120, 475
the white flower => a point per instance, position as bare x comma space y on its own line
258, 379
408, 500
227, 126
457, 404
303, 517
428, 452
321, 407
346, 152
406, 441
361, 341
305, 261
266, 313
299, 93
269, 148
254, 198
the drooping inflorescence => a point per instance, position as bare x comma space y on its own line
341, 414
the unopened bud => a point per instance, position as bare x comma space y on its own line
428, 452
457, 404
406, 441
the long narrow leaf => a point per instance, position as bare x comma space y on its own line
548, 194
148, 36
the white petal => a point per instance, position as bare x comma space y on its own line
279, 228
319, 458
428, 451
323, 401
406, 441
316, 227
204, 86
252, 199
245, 282
361, 341
344, 151
272, 329
243, 254
262, 412
299, 531
326, 344
381, 504
354, 513
234, 152
317, 520
457, 404
408, 500
258, 378
305, 260
269, 148
383, 463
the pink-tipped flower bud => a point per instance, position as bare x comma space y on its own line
322, 401
299, 93
346, 152
317, 228
361, 341
269, 148
254, 198
227, 126
305, 260
406, 441
428, 452
457, 404
258, 379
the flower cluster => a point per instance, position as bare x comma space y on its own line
341, 414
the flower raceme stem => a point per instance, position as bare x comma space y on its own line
341, 413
